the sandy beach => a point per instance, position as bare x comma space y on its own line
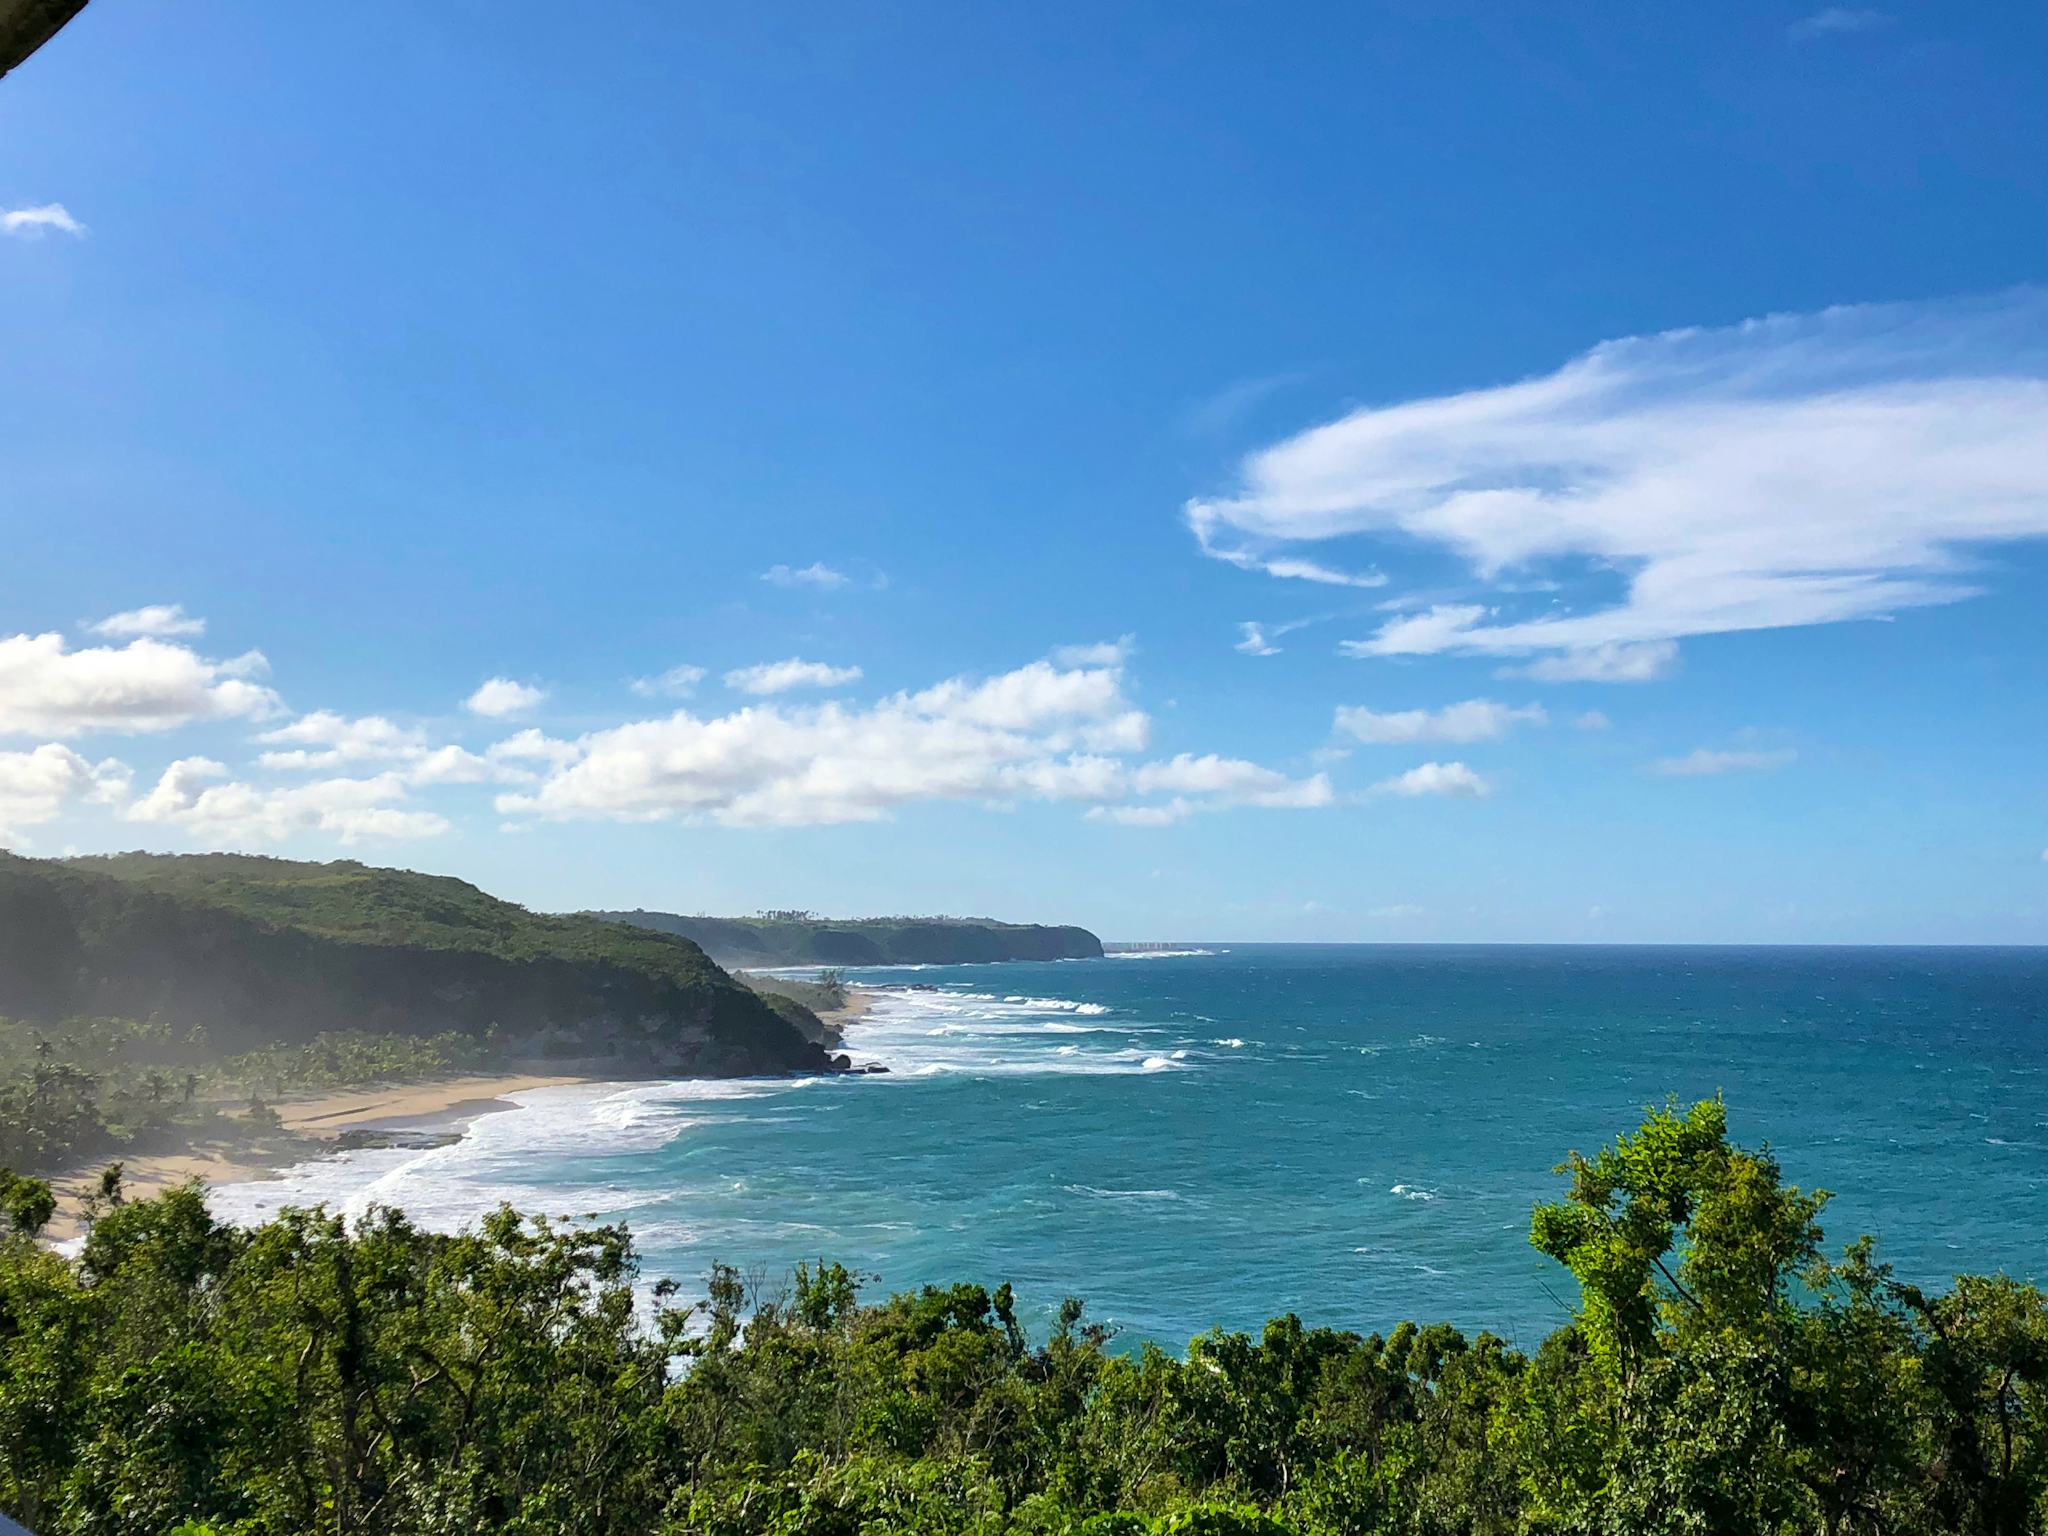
309, 1121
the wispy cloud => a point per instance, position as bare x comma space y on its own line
784, 676
1707, 762
817, 574
34, 223
675, 683
1801, 469
1452, 779
1099, 653
1472, 720
1835, 19
159, 619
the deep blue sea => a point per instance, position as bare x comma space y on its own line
1355, 1133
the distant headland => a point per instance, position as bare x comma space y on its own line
789, 938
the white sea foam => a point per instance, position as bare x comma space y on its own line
920, 1032
447, 1187
1231, 1043
1412, 1192
1161, 954
1122, 1194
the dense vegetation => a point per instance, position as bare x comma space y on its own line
1720, 1375
257, 951
826, 992
90, 1088
803, 938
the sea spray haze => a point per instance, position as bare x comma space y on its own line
1354, 1132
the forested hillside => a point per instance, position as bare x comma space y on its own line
258, 951
1720, 1375
802, 938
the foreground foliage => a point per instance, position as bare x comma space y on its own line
1719, 1376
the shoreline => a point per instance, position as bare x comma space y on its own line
313, 1126
318, 1125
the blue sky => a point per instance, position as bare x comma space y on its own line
1624, 433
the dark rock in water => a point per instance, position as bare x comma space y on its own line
842, 1063
870, 1069
368, 1138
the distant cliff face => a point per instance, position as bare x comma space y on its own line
866, 941
258, 950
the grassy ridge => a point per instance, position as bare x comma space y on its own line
258, 951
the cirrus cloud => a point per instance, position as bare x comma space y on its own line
1795, 470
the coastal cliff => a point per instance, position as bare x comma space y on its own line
257, 950
783, 939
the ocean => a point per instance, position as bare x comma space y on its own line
1355, 1133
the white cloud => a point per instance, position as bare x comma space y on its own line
324, 739
47, 689
1103, 653
1436, 779
1254, 641
1645, 661
1803, 469
675, 683
161, 620
1473, 720
1400, 909
1040, 732
816, 574
1705, 762
1592, 720
501, 696
1164, 815
191, 796
33, 223
1836, 19
1253, 555
783, 676
39, 785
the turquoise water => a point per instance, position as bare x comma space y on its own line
1355, 1133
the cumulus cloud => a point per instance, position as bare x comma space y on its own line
1592, 720
784, 676
326, 740
34, 223
816, 574
1473, 720
501, 696
1705, 762
38, 786
1801, 469
199, 796
48, 689
162, 620
675, 683
1436, 779
1041, 732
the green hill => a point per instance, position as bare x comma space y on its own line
260, 950
775, 939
